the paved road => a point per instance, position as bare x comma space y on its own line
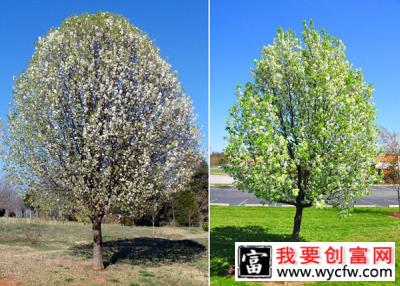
380, 196
221, 179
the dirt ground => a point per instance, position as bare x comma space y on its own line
51, 261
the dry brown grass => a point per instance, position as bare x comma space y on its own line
49, 262
8, 282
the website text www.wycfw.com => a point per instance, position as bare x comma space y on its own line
315, 261
343, 272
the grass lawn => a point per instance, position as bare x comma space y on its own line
221, 184
230, 224
217, 171
38, 252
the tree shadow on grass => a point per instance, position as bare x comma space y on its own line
143, 251
223, 240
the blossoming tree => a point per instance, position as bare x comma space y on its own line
99, 116
303, 132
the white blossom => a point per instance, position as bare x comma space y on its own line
100, 115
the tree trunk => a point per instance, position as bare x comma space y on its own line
97, 244
190, 214
173, 210
153, 221
297, 223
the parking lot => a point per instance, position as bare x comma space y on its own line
229, 195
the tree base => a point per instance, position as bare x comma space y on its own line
98, 268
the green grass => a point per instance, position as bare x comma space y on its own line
230, 224
221, 184
39, 252
217, 171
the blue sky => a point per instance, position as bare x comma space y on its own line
369, 29
178, 27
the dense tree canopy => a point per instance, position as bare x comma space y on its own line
303, 132
99, 116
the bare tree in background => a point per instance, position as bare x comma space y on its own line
389, 141
9, 199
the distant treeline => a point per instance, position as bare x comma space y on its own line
217, 159
186, 208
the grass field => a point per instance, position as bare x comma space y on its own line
230, 224
38, 252
217, 171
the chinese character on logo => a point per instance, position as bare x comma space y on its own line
309, 254
334, 255
254, 261
254, 267
358, 255
285, 255
383, 254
